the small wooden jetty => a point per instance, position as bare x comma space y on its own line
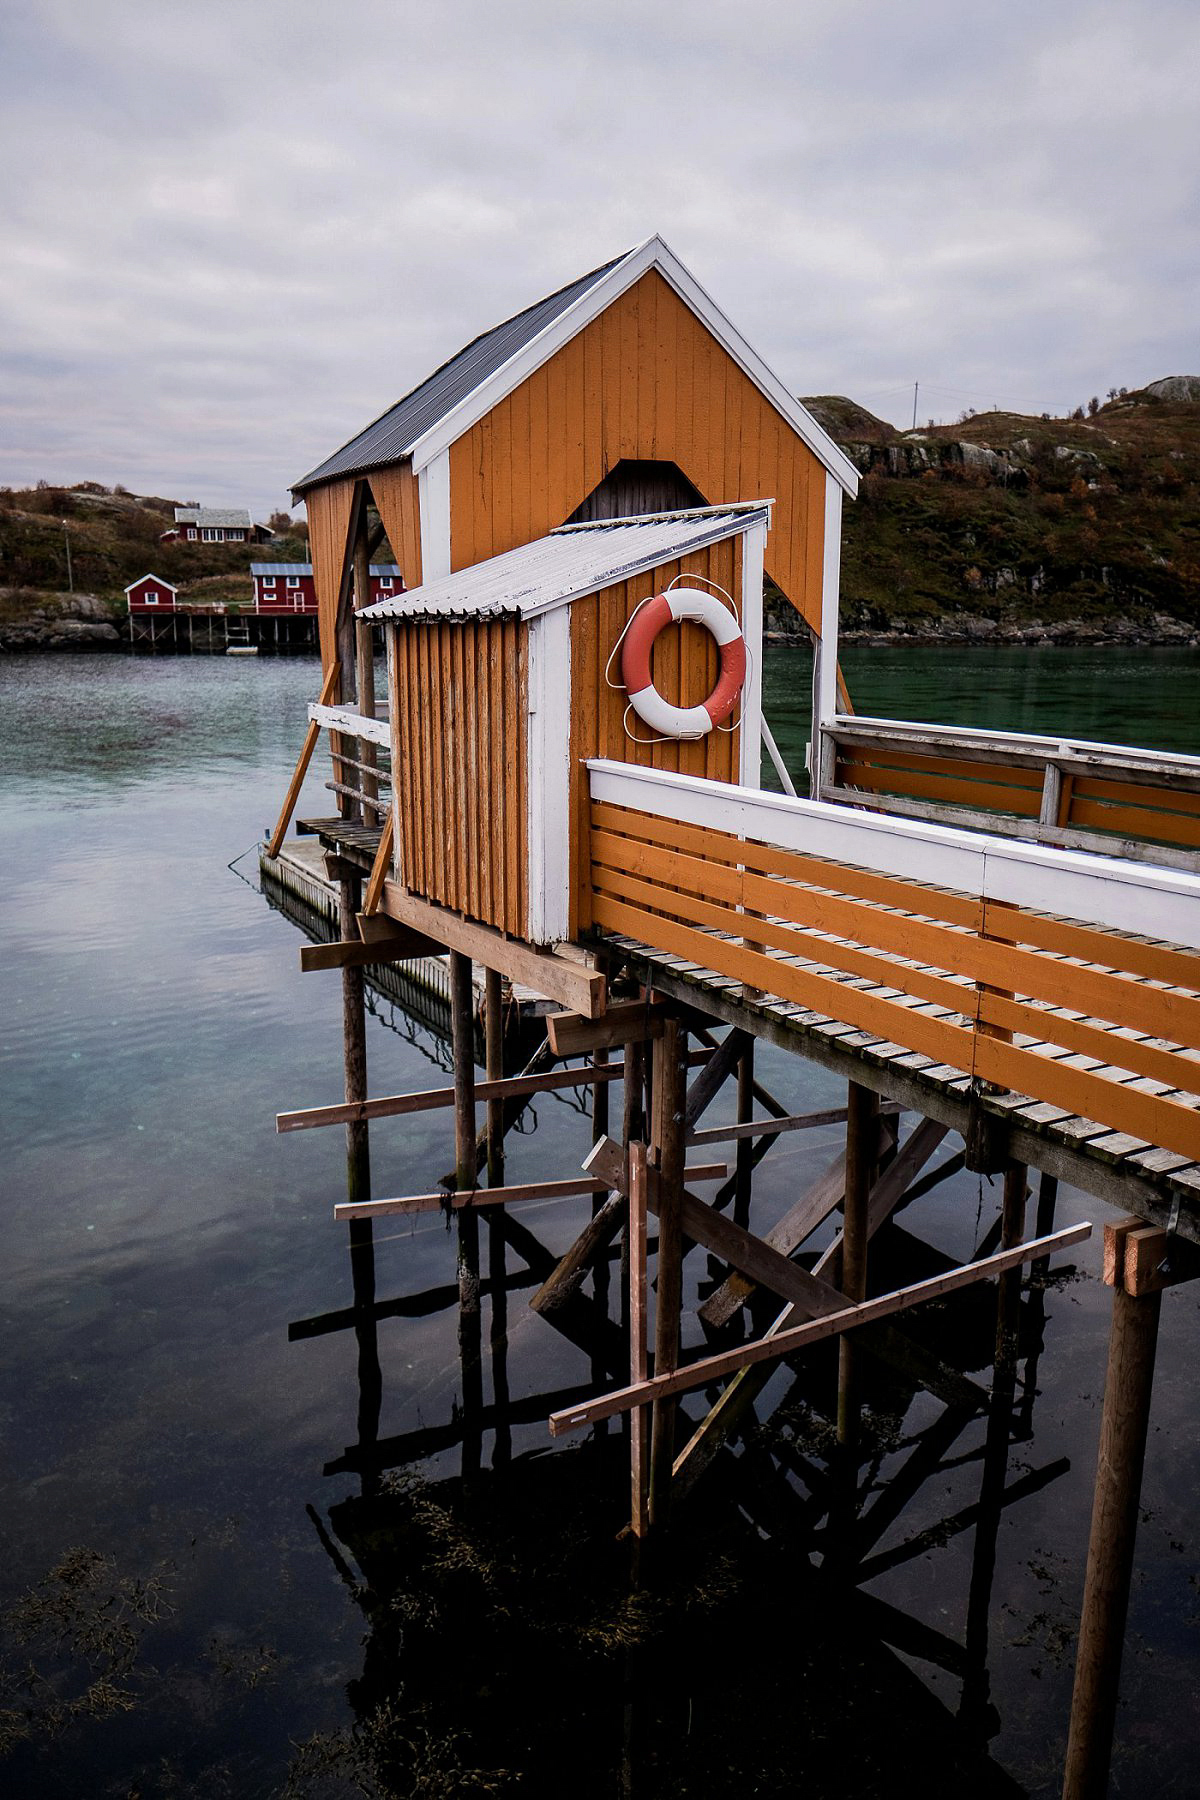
983, 934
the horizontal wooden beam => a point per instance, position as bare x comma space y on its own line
397, 946
630, 1022
387, 1106
444, 1201
513, 1087
351, 724
555, 976
799, 1337
753, 1128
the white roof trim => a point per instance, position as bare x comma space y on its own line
161, 582
653, 254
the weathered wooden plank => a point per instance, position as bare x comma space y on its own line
349, 723
456, 1201
397, 946
811, 1296
786, 1343
387, 1106
571, 1035
559, 978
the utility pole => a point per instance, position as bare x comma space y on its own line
916, 385
67, 542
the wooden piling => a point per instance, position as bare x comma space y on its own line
1008, 1292
669, 1099
497, 1242
744, 1169
462, 1022
354, 1047
862, 1142
1128, 1386
639, 1424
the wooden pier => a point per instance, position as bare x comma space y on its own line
990, 939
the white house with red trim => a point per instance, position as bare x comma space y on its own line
150, 593
289, 587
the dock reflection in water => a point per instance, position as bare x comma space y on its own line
516, 1633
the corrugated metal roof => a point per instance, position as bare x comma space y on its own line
282, 568
574, 560
393, 434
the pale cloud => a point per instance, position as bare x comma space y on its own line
234, 234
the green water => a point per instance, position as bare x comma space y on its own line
172, 1620
1143, 697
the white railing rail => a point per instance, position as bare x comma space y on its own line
1104, 891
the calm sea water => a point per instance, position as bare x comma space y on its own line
173, 1620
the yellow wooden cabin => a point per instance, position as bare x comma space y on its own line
628, 391
503, 683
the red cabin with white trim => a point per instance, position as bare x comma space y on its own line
150, 593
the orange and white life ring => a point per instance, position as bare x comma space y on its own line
644, 627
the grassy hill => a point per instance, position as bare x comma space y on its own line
114, 538
1007, 526
998, 527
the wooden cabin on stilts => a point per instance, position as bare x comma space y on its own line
981, 934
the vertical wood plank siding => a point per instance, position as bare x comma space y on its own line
394, 491
685, 667
644, 380
329, 510
458, 738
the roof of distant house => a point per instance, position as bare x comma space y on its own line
282, 568
231, 517
570, 562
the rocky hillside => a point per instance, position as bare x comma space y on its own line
1028, 529
113, 537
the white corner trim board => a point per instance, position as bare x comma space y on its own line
1094, 890
548, 783
433, 494
754, 543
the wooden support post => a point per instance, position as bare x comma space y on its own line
1128, 1387
631, 1129
354, 1044
1008, 1295
669, 1099
493, 1022
600, 1202
745, 1147
358, 1188
862, 1145
462, 1023
639, 1437
975, 1708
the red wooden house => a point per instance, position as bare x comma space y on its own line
150, 593
290, 588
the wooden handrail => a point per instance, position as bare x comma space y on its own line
1032, 969
1070, 793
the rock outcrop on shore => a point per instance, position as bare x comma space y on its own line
34, 621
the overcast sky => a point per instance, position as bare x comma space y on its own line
234, 233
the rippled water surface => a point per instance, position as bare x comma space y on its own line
174, 1622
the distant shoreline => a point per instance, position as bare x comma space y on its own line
1033, 638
